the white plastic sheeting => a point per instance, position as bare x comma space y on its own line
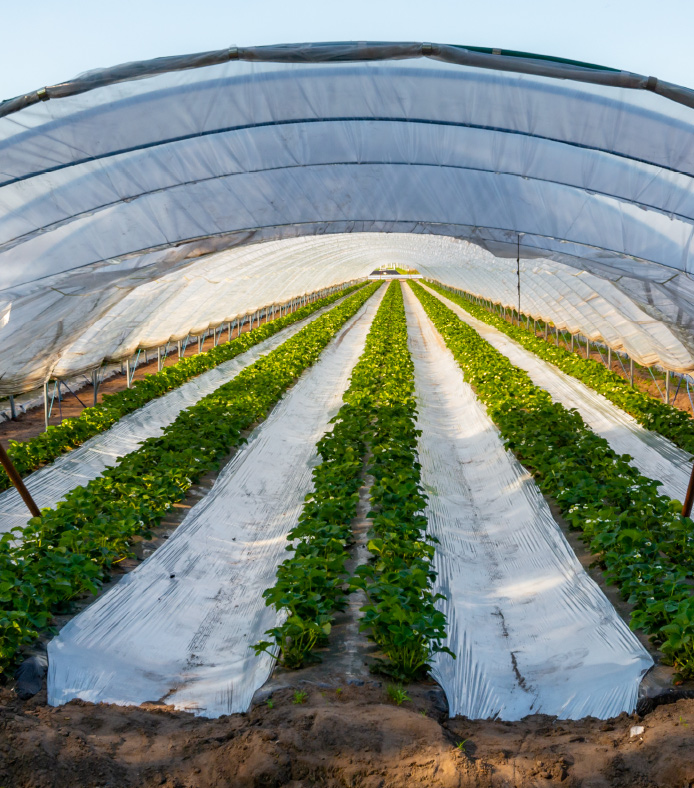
533, 634
52, 483
655, 456
575, 301
105, 192
179, 628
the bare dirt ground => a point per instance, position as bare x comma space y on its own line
356, 737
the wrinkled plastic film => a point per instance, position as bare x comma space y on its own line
106, 193
52, 483
533, 634
654, 455
181, 626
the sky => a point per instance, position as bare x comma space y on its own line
47, 41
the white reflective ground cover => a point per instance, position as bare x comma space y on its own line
52, 483
180, 627
653, 455
533, 634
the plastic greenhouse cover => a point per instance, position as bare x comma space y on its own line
532, 632
655, 456
136, 177
51, 484
181, 626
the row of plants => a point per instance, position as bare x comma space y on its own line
400, 613
639, 537
650, 412
69, 550
377, 417
58, 439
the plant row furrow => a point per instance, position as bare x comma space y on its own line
649, 412
29, 455
68, 550
400, 613
378, 416
643, 543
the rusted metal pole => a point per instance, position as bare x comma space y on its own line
16, 479
689, 497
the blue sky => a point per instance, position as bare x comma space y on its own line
46, 41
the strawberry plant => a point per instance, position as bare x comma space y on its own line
400, 613
58, 439
651, 413
378, 414
641, 540
67, 551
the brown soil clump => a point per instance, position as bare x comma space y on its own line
354, 737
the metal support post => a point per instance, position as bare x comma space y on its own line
572, 342
557, 335
689, 497
179, 345
200, 340
667, 386
631, 372
13, 412
229, 330
546, 330
518, 275
95, 385
16, 480
609, 358
128, 374
45, 404
160, 361
587, 347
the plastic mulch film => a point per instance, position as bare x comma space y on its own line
50, 484
655, 456
533, 634
123, 190
181, 626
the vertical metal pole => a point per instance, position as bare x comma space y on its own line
546, 330
159, 359
95, 384
689, 497
13, 412
587, 347
609, 358
180, 349
128, 374
667, 386
557, 335
572, 343
200, 344
45, 404
229, 331
518, 277
631, 372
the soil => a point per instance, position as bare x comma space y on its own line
355, 737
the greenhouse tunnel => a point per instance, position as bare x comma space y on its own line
150, 201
